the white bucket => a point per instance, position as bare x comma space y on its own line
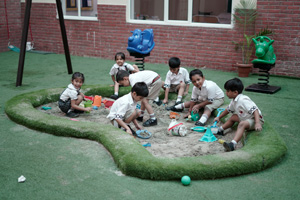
28, 46
177, 129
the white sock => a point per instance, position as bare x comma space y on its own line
234, 143
180, 106
152, 116
179, 98
221, 128
203, 118
117, 93
156, 99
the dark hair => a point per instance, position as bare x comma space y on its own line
121, 54
121, 74
195, 72
141, 89
234, 84
78, 75
174, 62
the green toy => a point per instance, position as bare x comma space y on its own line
185, 180
264, 50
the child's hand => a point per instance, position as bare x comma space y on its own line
165, 101
138, 127
185, 93
217, 119
186, 115
258, 126
88, 109
196, 108
128, 131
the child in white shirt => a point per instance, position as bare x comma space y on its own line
154, 84
124, 111
71, 97
244, 110
120, 65
177, 80
206, 94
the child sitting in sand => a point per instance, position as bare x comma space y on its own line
154, 84
124, 111
120, 65
71, 97
177, 80
246, 113
206, 94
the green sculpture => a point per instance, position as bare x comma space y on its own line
264, 50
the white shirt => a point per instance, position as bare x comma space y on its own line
244, 107
70, 93
146, 76
181, 76
209, 91
121, 106
115, 68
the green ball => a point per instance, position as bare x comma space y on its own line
185, 180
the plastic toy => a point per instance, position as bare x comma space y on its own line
89, 98
208, 136
186, 180
95, 107
174, 115
46, 108
214, 127
144, 134
264, 50
221, 141
199, 129
141, 42
176, 128
97, 101
147, 145
88, 104
108, 103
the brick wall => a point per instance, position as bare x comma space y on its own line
196, 46
14, 23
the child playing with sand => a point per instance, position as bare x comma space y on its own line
120, 65
244, 110
177, 80
206, 94
71, 97
124, 111
154, 84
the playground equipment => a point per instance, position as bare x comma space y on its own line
208, 136
266, 61
214, 127
140, 44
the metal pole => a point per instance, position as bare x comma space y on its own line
23, 43
64, 36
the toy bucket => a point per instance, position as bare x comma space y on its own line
88, 104
177, 129
97, 101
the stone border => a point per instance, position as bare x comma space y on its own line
261, 150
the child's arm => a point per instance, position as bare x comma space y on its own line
77, 107
258, 126
136, 69
123, 124
136, 124
113, 78
200, 105
223, 114
166, 95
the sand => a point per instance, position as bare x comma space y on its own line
163, 143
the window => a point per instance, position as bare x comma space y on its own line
213, 13
87, 11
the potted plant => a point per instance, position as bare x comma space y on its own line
245, 14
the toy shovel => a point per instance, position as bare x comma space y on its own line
214, 127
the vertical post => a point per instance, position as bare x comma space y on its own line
23, 43
64, 36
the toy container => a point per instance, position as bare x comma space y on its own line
97, 101
88, 104
177, 129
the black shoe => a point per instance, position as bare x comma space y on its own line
115, 97
174, 109
150, 122
158, 102
198, 123
178, 102
72, 114
220, 132
140, 119
228, 146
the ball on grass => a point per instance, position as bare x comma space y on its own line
185, 180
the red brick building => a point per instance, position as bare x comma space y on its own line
195, 45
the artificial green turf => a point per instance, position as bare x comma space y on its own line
68, 168
136, 160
